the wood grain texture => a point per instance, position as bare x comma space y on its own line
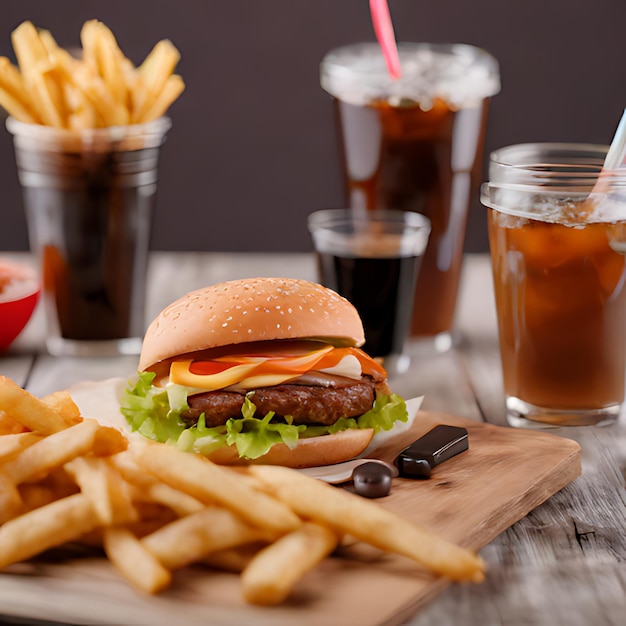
470, 500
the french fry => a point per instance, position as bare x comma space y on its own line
63, 404
51, 452
29, 49
189, 538
10, 500
233, 559
96, 92
11, 445
110, 62
16, 108
12, 81
211, 483
134, 562
59, 59
108, 441
28, 410
14, 95
171, 90
102, 79
181, 503
50, 44
36, 495
80, 112
350, 514
59, 482
158, 66
41, 529
9, 425
89, 42
134, 84
34, 63
273, 572
148, 488
105, 489
150, 519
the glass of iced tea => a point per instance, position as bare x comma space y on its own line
416, 144
372, 259
89, 197
559, 271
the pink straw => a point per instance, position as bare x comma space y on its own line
383, 28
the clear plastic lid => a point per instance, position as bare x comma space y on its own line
460, 74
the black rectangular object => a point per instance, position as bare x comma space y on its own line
436, 446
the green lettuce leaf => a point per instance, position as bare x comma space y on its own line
155, 413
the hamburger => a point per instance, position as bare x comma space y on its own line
261, 370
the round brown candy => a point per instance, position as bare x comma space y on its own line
372, 480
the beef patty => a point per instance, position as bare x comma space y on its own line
305, 404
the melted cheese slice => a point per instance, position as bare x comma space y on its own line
251, 372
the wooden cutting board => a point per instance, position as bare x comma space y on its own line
470, 500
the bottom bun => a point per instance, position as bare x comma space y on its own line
311, 452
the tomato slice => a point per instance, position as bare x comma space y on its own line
208, 368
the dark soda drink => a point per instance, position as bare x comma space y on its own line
381, 290
413, 150
372, 259
416, 144
93, 236
89, 198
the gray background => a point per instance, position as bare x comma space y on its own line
252, 150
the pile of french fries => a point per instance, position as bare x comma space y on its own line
155, 509
102, 88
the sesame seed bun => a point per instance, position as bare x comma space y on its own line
252, 309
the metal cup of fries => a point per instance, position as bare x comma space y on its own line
87, 131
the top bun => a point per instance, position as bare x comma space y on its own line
251, 309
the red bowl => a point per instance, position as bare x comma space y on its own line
19, 292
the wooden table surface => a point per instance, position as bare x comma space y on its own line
564, 563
